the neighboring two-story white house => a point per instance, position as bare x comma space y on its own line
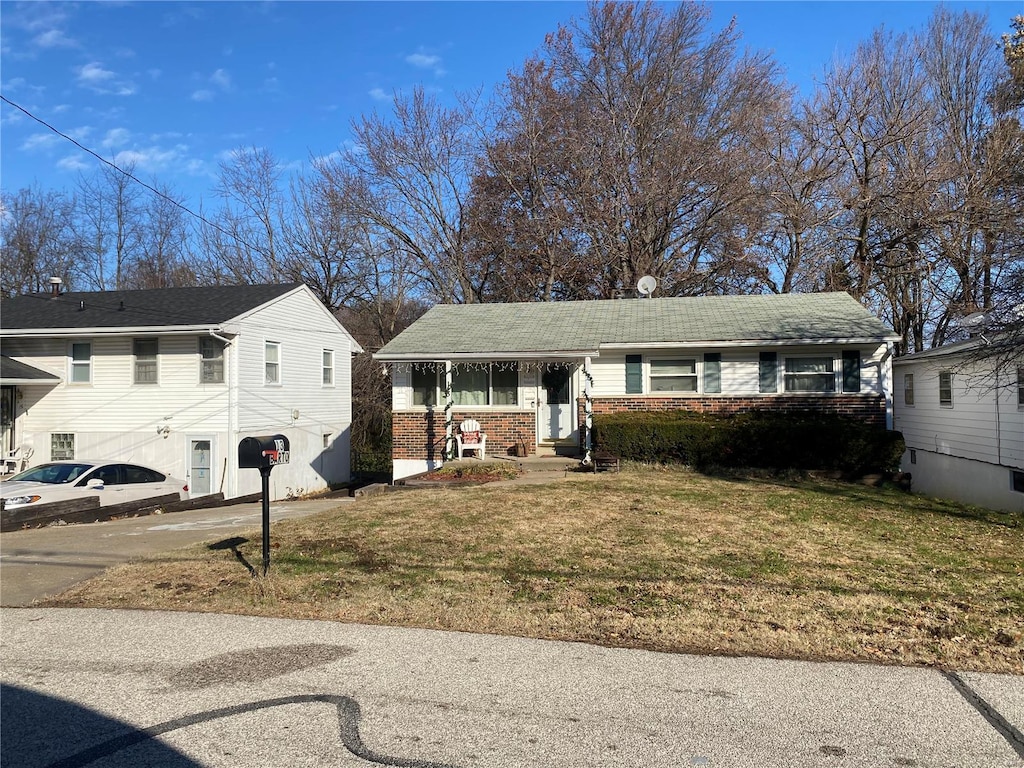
174, 378
963, 423
535, 374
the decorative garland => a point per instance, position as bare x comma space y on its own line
449, 436
500, 365
588, 410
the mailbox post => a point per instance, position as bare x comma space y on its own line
264, 453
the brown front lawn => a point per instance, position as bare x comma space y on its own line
663, 559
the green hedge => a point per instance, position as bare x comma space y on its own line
805, 440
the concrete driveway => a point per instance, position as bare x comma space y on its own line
44, 561
133, 688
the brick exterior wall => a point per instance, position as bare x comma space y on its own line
869, 408
420, 434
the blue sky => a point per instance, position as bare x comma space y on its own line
176, 86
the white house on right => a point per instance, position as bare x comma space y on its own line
963, 422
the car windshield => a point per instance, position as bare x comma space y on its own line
52, 473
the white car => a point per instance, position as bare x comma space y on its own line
113, 482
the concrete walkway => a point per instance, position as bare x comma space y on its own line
121, 688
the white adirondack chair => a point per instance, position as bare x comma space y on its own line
470, 438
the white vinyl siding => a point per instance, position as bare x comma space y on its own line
977, 428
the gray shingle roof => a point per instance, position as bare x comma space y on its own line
154, 308
15, 370
579, 326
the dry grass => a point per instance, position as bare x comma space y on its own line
648, 558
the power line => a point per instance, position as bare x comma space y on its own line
120, 170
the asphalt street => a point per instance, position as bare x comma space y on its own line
130, 688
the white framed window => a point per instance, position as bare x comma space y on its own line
327, 365
1020, 387
80, 362
676, 375
62, 446
272, 362
810, 374
211, 360
145, 354
946, 389
424, 387
908, 389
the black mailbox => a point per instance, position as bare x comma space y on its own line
263, 452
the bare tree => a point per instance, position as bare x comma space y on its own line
242, 241
407, 178
327, 248
652, 119
165, 256
110, 221
37, 241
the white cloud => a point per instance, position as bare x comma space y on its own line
54, 38
40, 141
429, 61
202, 95
116, 137
221, 79
101, 80
379, 94
94, 73
73, 163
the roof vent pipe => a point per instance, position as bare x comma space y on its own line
55, 286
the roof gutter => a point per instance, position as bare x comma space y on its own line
749, 343
164, 330
411, 357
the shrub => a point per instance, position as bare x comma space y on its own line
805, 440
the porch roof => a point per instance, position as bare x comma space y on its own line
559, 329
16, 372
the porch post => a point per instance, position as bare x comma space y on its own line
588, 410
449, 452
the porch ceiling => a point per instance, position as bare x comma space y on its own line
16, 372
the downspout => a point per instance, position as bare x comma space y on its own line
230, 378
886, 374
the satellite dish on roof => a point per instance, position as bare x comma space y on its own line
974, 320
646, 285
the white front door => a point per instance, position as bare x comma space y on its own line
200, 466
556, 404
